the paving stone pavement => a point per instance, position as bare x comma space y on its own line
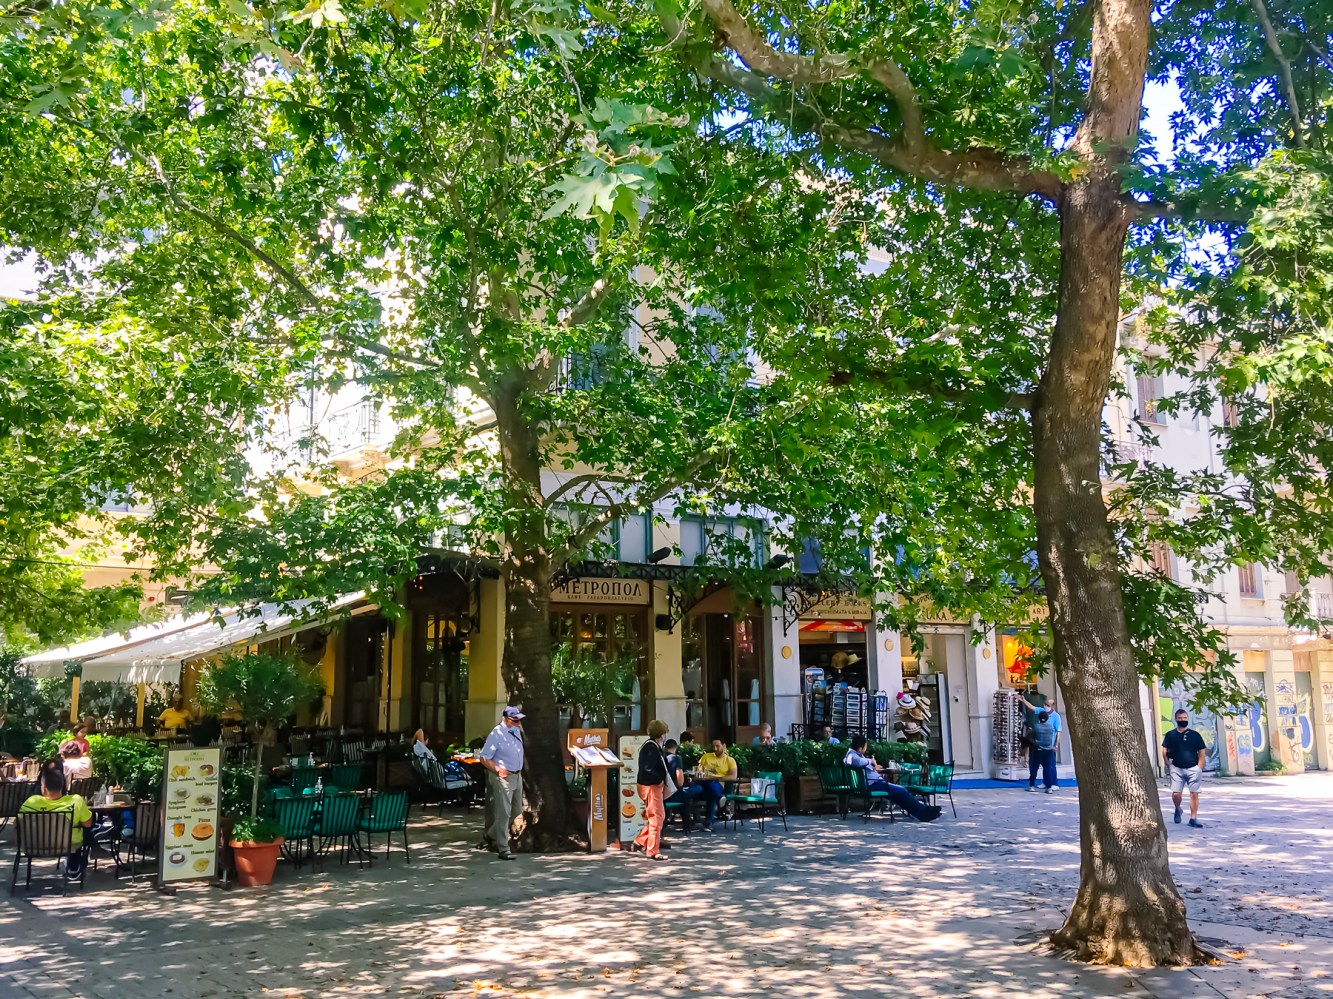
829, 908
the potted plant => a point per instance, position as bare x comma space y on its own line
264, 690
255, 843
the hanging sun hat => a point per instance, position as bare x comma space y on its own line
906, 700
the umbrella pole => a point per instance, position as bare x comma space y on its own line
138, 707
74, 700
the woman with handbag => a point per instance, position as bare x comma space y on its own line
655, 786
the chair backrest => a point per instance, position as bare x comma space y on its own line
774, 782
295, 815
340, 814
939, 776
834, 777
13, 793
45, 834
857, 779
85, 787
346, 775
303, 777
147, 823
354, 751
389, 809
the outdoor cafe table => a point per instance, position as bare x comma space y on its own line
112, 810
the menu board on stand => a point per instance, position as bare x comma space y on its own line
588, 748
191, 799
631, 804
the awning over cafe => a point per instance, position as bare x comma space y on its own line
52, 663
159, 657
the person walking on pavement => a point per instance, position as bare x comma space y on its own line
1183, 751
653, 778
502, 756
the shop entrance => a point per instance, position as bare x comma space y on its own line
441, 626
364, 637
722, 662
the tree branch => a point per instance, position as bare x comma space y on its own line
1170, 210
581, 480
1020, 401
1284, 72
912, 153
577, 541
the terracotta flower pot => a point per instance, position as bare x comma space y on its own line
255, 861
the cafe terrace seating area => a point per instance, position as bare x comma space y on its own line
348, 801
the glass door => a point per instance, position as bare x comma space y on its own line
442, 673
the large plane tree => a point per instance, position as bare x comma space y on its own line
1004, 140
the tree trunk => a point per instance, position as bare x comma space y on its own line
526, 572
1128, 910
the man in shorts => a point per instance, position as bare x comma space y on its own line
1184, 751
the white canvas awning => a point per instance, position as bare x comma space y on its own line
161, 659
52, 663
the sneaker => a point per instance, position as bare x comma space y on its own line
484, 847
1032, 789
706, 829
932, 813
1178, 810
1050, 790
1196, 823
507, 856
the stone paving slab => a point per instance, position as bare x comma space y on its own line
830, 908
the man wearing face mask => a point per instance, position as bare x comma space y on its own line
502, 756
1184, 751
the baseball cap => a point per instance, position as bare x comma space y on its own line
513, 712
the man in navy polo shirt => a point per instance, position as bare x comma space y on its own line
1184, 751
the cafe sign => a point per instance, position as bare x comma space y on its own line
843, 606
595, 590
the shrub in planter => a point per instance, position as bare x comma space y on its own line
265, 690
255, 843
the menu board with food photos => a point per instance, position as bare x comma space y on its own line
632, 806
192, 787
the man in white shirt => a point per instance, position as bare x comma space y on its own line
502, 756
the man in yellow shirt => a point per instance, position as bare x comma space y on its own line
718, 763
54, 799
176, 716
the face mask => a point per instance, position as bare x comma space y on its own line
1183, 724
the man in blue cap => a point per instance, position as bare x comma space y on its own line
502, 756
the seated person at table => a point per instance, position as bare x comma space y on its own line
718, 763
176, 716
826, 735
765, 736
684, 793
75, 763
687, 739
79, 737
898, 795
54, 799
420, 745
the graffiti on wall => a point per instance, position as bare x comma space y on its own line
1288, 725
1327, 688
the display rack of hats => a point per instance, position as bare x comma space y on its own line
912, 723
1007, 720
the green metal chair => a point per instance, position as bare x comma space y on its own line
338, 821
387, 814
344, 776
938, 781
869, 797
304, 777
836, 781
760, 804
297, 818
